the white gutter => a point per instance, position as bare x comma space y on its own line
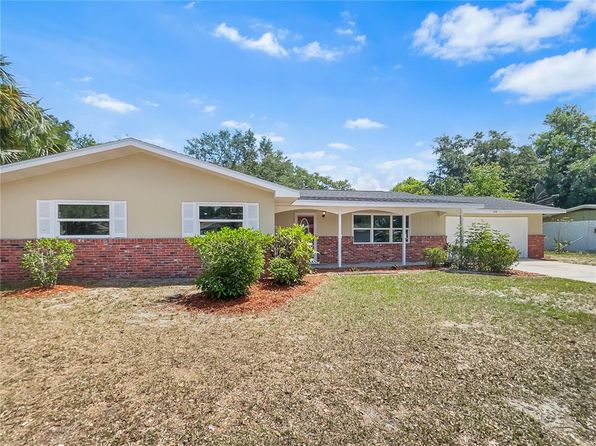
280, 191
385, 204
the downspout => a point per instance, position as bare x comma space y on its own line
403, 240
461, 230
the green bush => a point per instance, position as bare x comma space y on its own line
231, 260
283, 271
484, 249
294, 244
45, 258
435, 256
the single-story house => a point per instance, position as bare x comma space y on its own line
577, 226
128, 205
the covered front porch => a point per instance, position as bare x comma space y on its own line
370, 234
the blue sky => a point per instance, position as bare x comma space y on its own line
355, 90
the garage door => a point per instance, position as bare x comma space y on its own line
515, 227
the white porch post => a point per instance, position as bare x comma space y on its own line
339, 214
461, 228
403, 239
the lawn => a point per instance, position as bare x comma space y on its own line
420, 358
583, 258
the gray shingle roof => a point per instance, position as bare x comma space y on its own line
498, 204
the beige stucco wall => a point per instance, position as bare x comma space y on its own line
153, 188
422, 223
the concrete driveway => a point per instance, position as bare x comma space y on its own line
586, 273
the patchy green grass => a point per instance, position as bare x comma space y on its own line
422, 358
582, 258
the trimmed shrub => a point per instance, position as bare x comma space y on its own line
294, 244
45, 258
484, 249
283, 271
231, 260
435, 256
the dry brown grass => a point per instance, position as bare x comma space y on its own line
420, 359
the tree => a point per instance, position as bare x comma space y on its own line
579, 185
570, 139
412, 186
486, 180
83, 140
242, 152
26, 129
447, 186
523, 173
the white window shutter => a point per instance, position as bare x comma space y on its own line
45, 218
251, 215
189, 219
119, 219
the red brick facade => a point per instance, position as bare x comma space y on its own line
375, 252
100, 259
153, 258
536, 246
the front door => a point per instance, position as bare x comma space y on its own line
308, 223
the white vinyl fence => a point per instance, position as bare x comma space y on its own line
581, 234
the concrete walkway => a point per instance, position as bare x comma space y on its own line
586, 273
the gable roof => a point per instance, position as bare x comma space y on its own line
123, 147
483, 203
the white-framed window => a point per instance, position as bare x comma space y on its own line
201, 218
379, 228
215, 217
81, 219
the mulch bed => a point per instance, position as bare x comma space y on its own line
264, 295
34, 292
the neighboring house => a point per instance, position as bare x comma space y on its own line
577, 227
129, 204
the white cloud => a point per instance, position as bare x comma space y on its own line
267, 43
469, 32
148, 103
367, 182
361, 39
348, 18
339, 146
570, 73
428, 155
420, 143
105, 101
83, 79
190, 5
272, 136
363, 124
232, 124
406, 163
344, 31
315, 155
209, 108
314, 50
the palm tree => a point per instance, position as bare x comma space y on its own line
26, 131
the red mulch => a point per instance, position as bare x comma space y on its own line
516, 272
263, 296
34, 292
